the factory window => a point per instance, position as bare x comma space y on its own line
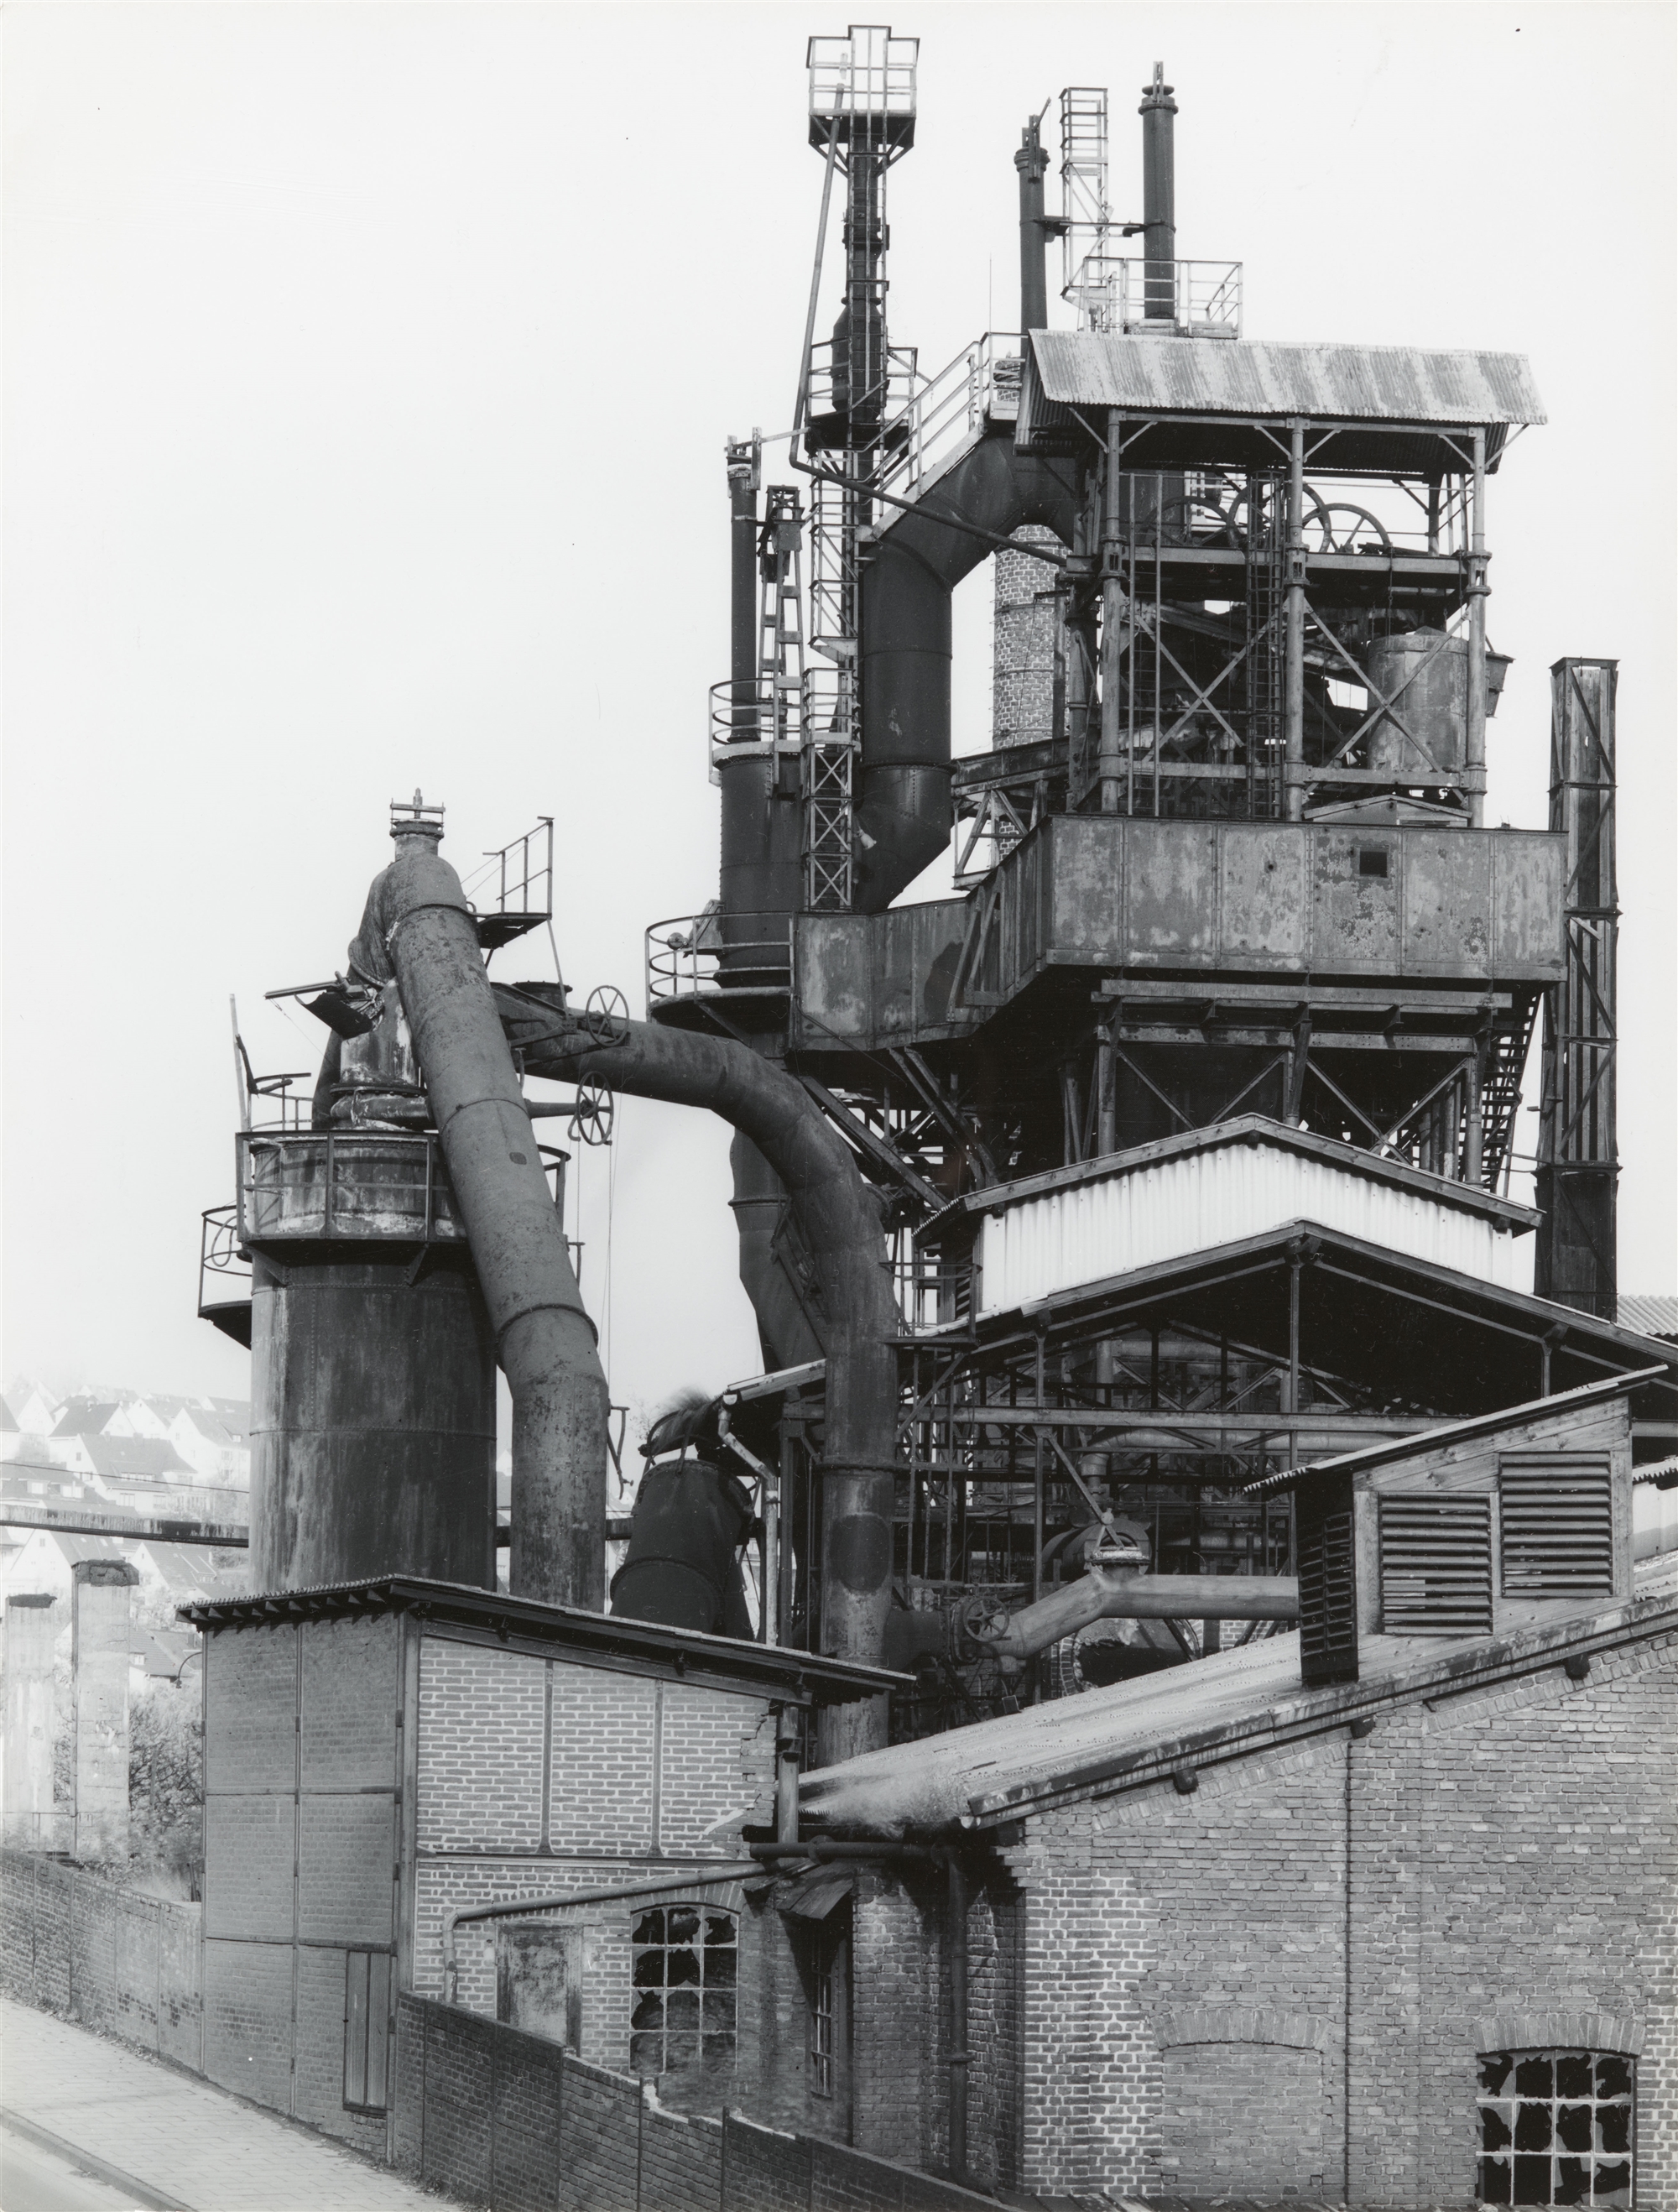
1371, 860
821, 2027
367, 2031
684, 1983
1555, 2128
1436, 1565
1557, 1513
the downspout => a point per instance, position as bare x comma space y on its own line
955, 1937
855, 1309
418, 927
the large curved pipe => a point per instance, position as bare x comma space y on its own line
418, 927
1109, 1594
852, 1304
902, 813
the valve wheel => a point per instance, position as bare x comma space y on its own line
606, 1015
983, 1619
596, 1111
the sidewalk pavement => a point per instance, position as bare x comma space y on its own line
183, 2141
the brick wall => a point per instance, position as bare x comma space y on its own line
493, 2116
1302, 1959
1023, 681
74, 1944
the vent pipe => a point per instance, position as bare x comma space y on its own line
1159, 219
1032, 164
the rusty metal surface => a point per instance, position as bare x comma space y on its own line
1261, 379
1140, 897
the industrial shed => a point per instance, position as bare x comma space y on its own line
1230, 1933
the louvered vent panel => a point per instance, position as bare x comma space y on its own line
1558, 1527
1328, 1603
1436, 1567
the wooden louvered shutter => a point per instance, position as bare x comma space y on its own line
1436, 1565
1328, 1596
1558, 1527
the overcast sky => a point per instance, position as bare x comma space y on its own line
367, 374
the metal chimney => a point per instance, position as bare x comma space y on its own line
1032, 164
1158, 113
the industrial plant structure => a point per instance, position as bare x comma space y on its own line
1130, 1239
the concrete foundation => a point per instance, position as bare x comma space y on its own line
27, 1785
100, 1608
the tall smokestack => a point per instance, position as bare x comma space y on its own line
1159, 220
1032, 164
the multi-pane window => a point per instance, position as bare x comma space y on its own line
1555, 2128
821, 2031
684, 1972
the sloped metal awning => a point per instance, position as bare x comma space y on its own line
817, 1894
1372, 408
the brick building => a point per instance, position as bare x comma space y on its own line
389, 1765
1401, 1936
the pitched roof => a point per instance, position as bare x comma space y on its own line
1450, 1432
84, 1417
1143, 1731
132, 1459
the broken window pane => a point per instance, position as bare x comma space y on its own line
1494, 2181
683, 1967
1555, 2128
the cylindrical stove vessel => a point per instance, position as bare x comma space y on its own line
373, 1443
373, 1364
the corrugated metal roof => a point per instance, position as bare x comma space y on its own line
1246, 1129
1648, 1315
1261, 379
1133, 1734
1450, 1432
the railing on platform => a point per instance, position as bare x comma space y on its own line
930, 1291
1133, 297
948, 410
224, 1264
764, 717
710, 955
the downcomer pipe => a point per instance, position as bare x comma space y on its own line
418, 927
857, 1312
902, 813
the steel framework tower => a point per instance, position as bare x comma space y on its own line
1578, 1164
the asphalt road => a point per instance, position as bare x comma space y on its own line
33, 2178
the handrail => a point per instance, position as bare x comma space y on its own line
1130, 295
711, 954
948, 410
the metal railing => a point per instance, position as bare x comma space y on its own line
830, 363
763, 717
694, 956
1128, 295
224, 1264
869, 73
947, 411
338, 1186
518, 877
930, 1291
